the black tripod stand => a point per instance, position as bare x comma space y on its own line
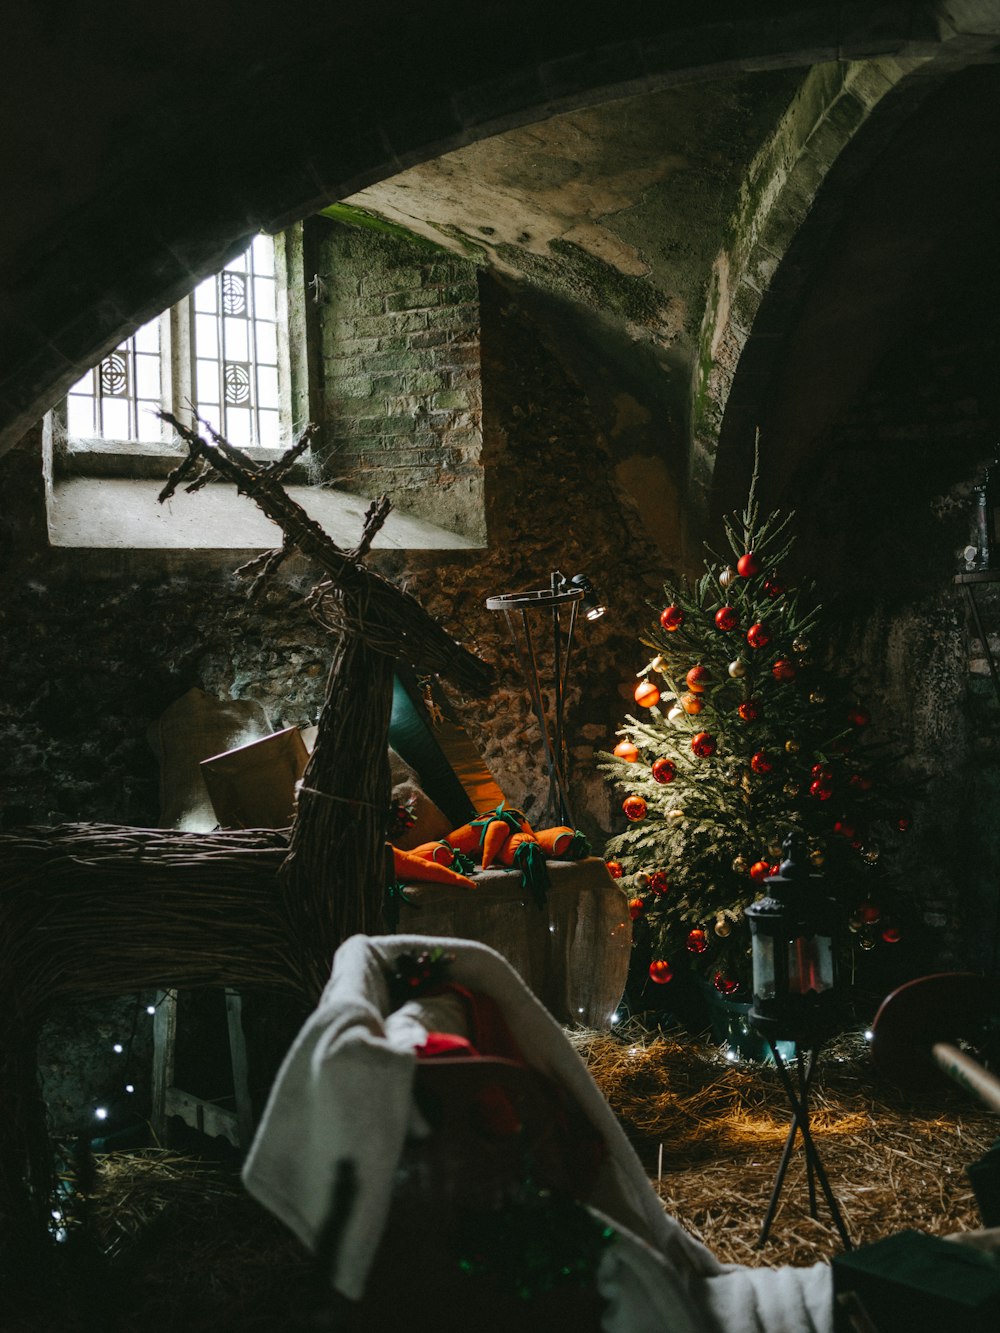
798, 1097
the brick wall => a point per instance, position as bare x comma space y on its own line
401, 394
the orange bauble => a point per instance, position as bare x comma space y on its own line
697, 678
646, 694
636, 907
692, 703
634, 807
615, 869
627, 751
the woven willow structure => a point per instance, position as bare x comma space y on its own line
101, 910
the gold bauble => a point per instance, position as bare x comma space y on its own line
774, 851
870, 854
675, 816
867, 940
816, 857
741, 865
723, 926
726, 577
791, 789
817, 697
800, 646
792, 747
737, 669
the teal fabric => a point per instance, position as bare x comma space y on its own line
412, 737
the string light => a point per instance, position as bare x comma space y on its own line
118, 1048
101, 1112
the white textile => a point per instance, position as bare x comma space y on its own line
343, 1093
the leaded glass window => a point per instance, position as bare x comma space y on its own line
236, 349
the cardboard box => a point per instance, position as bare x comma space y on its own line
253, 786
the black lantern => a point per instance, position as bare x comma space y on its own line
792, 933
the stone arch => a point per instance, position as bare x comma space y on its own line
192, 136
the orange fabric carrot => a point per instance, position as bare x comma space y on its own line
409, 867
509, 850
497, 835
468, 838
441, 852
563, 843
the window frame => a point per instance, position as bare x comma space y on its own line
144, 459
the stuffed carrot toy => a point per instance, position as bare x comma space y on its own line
409, 867
563, 843
523, 851
471, 837
442, 852
498, 833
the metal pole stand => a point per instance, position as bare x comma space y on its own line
798, 1097
518, 608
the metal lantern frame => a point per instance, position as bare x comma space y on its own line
793, 940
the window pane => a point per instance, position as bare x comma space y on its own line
269, 435
263, 255
235, 339
80, 416
263, 295
267, 386
204, 295
207, 383
206, 335
149, 424
238, 427
147, 377
267, 344
115, 414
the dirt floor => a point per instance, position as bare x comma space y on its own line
169, 1241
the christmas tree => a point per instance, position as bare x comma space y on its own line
747, 729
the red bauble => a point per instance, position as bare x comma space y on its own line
658, 882
858, 717
636, 907
724, 984
903, 823
773, 588
697, 678
758, 636
844, 829
760, 763
671, 618
759, 871
703, 744
892, 934
748, 565
861, 782
660, 971
821, 788
663, 770
646, 694
726, 619
634, 807
870, 913
749, 710
615, 869
783, 670
697, 940
627, 751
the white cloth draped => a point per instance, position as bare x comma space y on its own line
343, 1094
